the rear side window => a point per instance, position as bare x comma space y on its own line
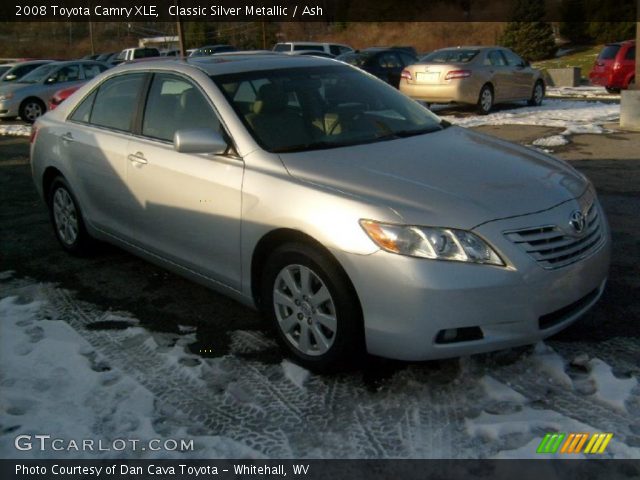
407, 59
318, 48
116, 101
83, 111
282, 47
609, 52
174, 103
495, 59
512, 59
91, 71
631, 54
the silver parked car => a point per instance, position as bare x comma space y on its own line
481, 76
29, 97
349, 214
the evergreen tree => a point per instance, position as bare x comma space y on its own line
528, 34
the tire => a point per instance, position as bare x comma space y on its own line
322, 335
31, 109
612, 90
66, 218
632, 84
485, 100
537, 95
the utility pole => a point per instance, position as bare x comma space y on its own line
181, 31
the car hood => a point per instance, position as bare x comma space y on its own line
454, 177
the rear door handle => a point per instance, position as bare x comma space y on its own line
67, 137
138, 158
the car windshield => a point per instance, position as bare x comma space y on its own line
39, 74
300, 109
450, 56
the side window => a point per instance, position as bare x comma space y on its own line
335, 49
174, 103
344, 50
83, 111
496, 59
116, 101
407, 59
93, 70
70, 73
512, 59
631, 54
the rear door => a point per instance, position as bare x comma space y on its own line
522, 75
499, 75
95, 141
187, 206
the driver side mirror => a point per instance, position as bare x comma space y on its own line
199, 140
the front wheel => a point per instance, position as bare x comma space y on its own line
485, 100
537, 95
66, 218
312, 306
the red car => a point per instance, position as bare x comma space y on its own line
615, 67
61, 95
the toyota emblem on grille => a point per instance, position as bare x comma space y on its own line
578, 221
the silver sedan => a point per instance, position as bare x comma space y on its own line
351, 216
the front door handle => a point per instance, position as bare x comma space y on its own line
138, 158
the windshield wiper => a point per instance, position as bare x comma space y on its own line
408, 133
301, 147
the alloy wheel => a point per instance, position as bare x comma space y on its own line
305, 310
65, 217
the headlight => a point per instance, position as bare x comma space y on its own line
431, 242
5, 96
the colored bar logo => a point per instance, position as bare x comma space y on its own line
596, 443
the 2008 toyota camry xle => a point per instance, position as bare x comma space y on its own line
350, 215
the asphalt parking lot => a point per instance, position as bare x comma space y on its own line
161, 300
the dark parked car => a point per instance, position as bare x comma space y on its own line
615, 67
385, 63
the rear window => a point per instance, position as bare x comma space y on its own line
609, 52
356, 59
451, 56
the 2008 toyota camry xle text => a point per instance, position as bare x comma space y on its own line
350, 215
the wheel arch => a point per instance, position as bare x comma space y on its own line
49, 175
274, 239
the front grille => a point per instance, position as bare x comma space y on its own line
552, 247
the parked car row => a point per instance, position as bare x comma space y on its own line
29, 96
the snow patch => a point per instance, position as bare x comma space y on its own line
610, 390
549, 363
551, 141
15, 130
499, 391
588, 92
295, 373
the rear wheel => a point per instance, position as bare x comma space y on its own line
32, 109
485, 100
66, 218
312, 306
537, 94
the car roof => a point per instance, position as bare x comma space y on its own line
221, 64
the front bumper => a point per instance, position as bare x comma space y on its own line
9, 108
407, 302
